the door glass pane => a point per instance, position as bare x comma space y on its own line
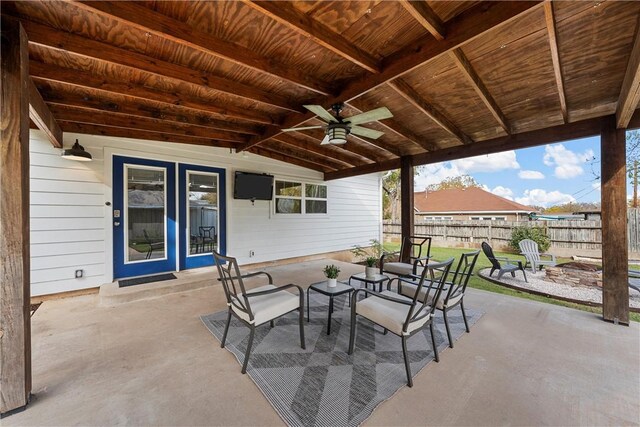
202, 227
146, 213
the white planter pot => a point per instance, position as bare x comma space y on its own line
332, 282
370, 271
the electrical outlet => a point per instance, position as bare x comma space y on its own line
79, 274
252, 253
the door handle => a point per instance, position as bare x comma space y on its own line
116, 223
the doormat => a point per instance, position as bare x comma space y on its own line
146, 279
323, 385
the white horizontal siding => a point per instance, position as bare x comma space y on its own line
70, 223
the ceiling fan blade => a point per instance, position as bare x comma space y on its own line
370, 116
319, 111
302, 128
369, 133
325, 140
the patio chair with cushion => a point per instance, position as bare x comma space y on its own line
399, 314
530, 250
453, 292
503, 264
412, 257
256, 306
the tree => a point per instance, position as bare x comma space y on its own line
391, 194
461, 181
633, 156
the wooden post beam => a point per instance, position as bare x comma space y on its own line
42, 117
406, 200
555, 57
630, 92
472, 77
15, 280
422, 12
615, 251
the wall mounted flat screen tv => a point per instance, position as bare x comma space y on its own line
253, 186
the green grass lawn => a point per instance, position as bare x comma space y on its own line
478, 282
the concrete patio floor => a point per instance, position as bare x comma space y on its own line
153, 362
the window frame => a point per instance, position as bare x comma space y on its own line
303, 197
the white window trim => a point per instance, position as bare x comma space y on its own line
303, 198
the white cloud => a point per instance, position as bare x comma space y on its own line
501, 191
488, 163
567, 163
433, 174
529, 174
540, 197
595, 185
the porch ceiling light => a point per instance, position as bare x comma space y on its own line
337, 133
77, 153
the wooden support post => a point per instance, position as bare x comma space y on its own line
15, 323
406, 200
615, 262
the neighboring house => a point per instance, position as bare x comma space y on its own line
93, 216
470, 204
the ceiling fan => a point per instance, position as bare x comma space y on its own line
337, 127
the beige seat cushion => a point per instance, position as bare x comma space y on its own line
268, 307
409, 290
399, 268
389, 314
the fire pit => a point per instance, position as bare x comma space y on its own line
575, 274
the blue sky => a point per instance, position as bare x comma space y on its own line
542, 176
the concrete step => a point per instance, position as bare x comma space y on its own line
111, 294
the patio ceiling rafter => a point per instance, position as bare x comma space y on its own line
555, 57
286, 15
276, 155
469, 25
630, 92
295, 152
328, 151
422, 12
183, 34
41, 115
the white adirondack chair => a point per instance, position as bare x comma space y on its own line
531, 252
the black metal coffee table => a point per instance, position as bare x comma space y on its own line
323, 288
376, 279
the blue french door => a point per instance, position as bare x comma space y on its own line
144, 217
202, 227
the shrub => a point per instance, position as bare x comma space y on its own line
371, 261
373, 252
331, 271
536, 234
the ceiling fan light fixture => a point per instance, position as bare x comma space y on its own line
337, 134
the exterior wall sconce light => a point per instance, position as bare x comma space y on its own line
77, 153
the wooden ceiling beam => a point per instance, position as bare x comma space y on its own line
105, 118
297, 153
564, 132
630, 92
392, 149
92, 129
41, 115
275, 155
408, 93
467, 26
52, 38
183, 34
394, 126
472, 77
555, 58
329, 151
73, 77
97, 102
423, 13
287, 15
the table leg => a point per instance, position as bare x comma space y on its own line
330, 311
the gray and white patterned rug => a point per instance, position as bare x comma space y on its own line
323, 385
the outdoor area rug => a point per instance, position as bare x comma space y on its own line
323, 385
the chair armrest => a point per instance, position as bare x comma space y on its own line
552, 256
271, 291
257, 273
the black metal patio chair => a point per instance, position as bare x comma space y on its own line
399, 314
413, 256
256, 306
503, 264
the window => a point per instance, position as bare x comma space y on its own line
300, 198
437, 218
488, 218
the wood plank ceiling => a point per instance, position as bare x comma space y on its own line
233, 74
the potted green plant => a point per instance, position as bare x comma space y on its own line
371, 266
331, 271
